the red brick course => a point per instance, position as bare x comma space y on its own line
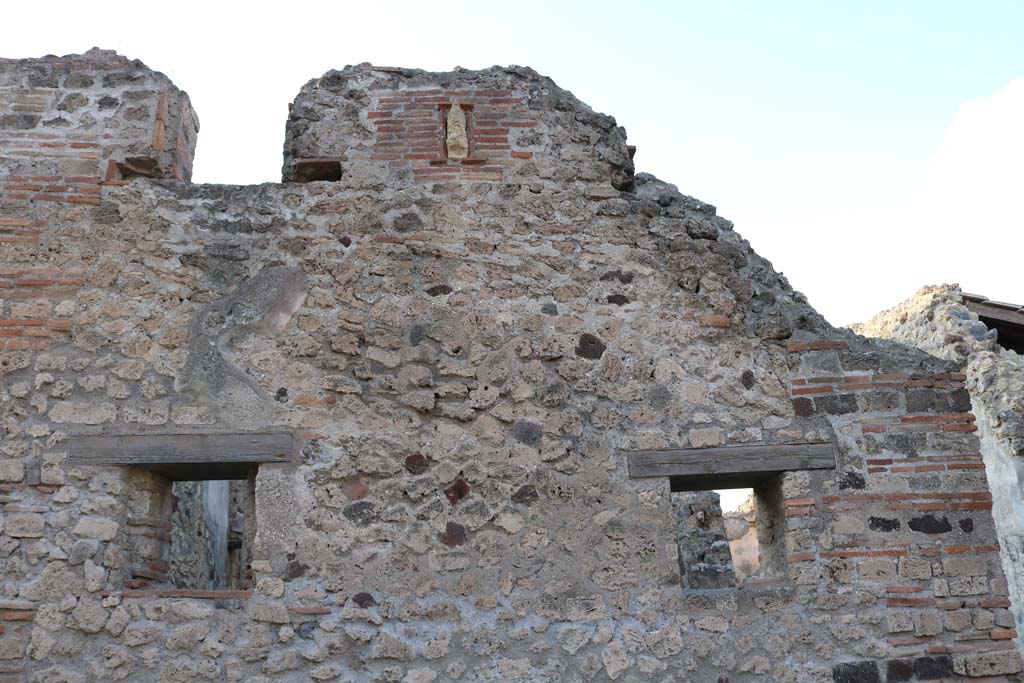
905, 523
409, 127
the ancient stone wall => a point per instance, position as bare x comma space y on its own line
376, 122
464, 361
64, 121
936, 320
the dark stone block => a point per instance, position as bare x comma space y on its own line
731, 252
1011, 424
905, 444
899, 670
773, 327
618, 299
931, 668
879, 400
417, 463
364, 600
454, 535
659, 396
33, 471
139, 95
852, 480
76, 100
701, 230
527, 432
438, 290
820, 363
978, 330
803, 407
957, 442
294, 569
408, 222
624, 278
43, 79
362, 513
19, 121
836, 404
704, 576
921, 400
296, 246
747, 379
856, 672
554, 393
457, 491
525, 495
959, 401
549, 309
78, 80
930, 524
862, 362
115, 80
883, 524
966, 524
417, 333
590, 347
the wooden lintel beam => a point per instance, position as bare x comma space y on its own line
173, 449
730, 460
997, 313
196, 594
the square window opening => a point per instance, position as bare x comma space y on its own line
212, 534
730, 537
190, 502
189, 532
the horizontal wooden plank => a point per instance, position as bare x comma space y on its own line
158, 449
998, 313
730, 460
194, 594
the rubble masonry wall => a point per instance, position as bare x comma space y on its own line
463, 361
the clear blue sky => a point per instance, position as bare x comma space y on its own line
809, 124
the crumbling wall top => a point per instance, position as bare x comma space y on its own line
94, 114
416, 125
447, 364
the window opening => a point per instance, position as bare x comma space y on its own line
191, 505
698, 475
211, 534
730, 537
190, 533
